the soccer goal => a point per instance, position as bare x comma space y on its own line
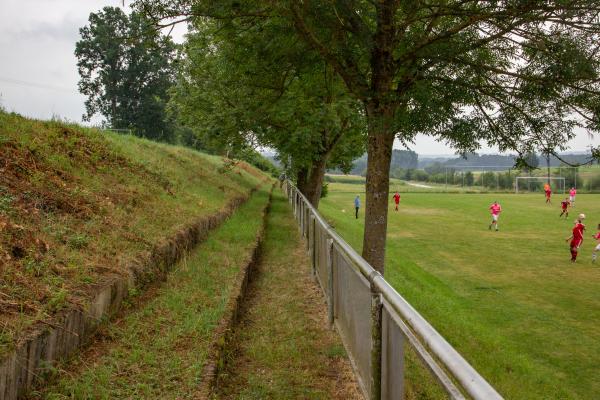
525, 183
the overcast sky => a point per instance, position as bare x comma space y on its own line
38, 73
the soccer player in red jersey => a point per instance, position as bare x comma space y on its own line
597, 249
397, 199
495, 210
548, 191
565, 207
577, 237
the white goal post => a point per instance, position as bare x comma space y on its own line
558, 179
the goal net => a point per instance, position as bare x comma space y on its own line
536, 183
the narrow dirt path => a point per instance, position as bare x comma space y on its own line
283, 347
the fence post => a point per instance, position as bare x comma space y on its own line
330, 315
307, 227
312, 243
376, 328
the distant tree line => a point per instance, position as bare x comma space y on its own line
128, 71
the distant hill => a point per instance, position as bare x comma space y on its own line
406, 159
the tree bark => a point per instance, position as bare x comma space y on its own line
379, 150
314, 184
302, 179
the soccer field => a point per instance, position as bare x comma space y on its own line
510, 301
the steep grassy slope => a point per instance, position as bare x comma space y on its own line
77, 205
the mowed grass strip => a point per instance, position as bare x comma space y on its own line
284, 348
158, 350
509, 301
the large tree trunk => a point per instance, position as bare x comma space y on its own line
314, 185
302, 179
379, 150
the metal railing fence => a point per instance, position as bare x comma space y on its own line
374, 321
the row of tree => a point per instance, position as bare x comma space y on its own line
320, 81
488, 179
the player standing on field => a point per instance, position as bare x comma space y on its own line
565, 207
597, 249
577, 237
548, 191
495, 210
572, 194
356, 205
397, 199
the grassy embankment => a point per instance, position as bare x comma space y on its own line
77, 205
509, 301
158, 349
284, 347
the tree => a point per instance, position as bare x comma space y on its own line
126, 68
283, 98
469, 178
506, 72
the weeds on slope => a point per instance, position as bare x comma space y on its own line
77, 205
158, 350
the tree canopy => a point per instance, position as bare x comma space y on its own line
515, 74
254, 83
126, 69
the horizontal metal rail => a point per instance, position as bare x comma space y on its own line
431, 347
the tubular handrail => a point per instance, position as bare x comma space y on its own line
471, 381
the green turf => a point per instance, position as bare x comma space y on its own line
158, 350
284, 347
509, 301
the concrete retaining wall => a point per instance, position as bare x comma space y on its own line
26, 366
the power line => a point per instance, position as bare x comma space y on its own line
36, 85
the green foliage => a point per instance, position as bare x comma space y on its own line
126, 67
57, 301
469, 179
234, 94
324, 190
79, 241
6, 201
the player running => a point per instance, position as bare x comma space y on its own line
597, 249
495, 210
564, 205
577, 237
397, 199
548, 191
572, 194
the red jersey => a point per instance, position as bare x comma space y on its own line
397, 198
597, 236
578, 231
495, 209
564, 204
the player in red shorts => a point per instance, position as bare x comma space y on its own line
397, 199
548, 191
564, 205
577, 237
